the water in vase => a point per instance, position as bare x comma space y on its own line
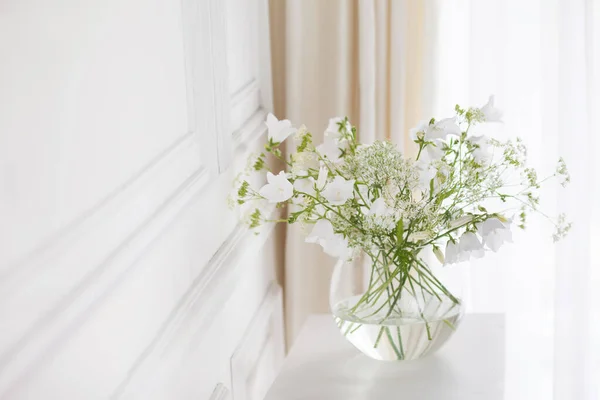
407, 332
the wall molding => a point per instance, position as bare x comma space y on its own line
101, 248
196, 310
251, 131
262, 339
220, 393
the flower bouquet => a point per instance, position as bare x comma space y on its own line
369, 204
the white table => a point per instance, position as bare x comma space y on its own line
322, 365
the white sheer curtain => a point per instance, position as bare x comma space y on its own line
541, 60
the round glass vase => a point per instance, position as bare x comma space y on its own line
395, 312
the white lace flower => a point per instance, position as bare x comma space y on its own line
380, 209
470, 246
494, 233
491, 113
482, 154
277, 189
338, 191
330, 150
278, 130
304, 161
451, 253
380, 215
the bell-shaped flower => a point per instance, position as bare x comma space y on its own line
305, 185
277, 189
338, 191
442, 128
333, 244
330, 150
470, 246
433, 152
278, 130
333, 128
337, 247
418, 130
491, 113
482, 153
322, 230
426, 173
322, 178
438, 130
451, 256
494, 233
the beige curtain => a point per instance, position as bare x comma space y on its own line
361, 59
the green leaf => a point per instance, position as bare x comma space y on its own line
306, 140
399, 231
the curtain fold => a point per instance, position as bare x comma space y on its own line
355, 58
386, 64
540, 58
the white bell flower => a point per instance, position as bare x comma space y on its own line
322, 230
333, 128
470, 246
438, 130
337, 247
494, 233
451, 256
322, 178
442, 128
330, 150
277, 189
338, 191
491, 113
278, 130
432, 152
420, 128
305, 185
426, 173
482, 154
333, 244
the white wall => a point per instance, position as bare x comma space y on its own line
122, 272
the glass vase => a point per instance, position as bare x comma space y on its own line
392, 311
